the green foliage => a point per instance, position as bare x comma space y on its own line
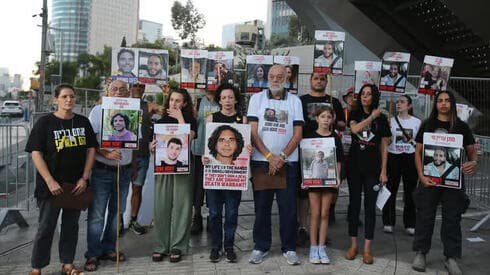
187, 20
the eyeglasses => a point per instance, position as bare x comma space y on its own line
120, 89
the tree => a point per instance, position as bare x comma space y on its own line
187, 20
298, 31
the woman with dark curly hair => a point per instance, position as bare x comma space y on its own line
225, 144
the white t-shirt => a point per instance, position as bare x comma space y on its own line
276, 120
399, 143
95, 118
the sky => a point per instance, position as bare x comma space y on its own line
20, 48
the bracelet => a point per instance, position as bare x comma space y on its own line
268, 155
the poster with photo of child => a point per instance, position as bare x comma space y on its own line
120, 123
226, 156
219, 69
442, 158
172, 148
435, 74
394, 69
318, 162
366, 72
292, 71
328, 54
258, 67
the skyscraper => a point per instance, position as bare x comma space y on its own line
150, 31
278, 13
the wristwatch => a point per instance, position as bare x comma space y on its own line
284, 156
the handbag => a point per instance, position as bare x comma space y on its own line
263, 181
69, 201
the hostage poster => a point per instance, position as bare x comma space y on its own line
366, 72
120, 123
435, 74
220, 69
258, 67
328, 54
193, 72
172, 148
394, 70
226, 156
318, 162
442, 159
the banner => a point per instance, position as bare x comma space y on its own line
435, 74
172, 152
258, 67
328, 54
193, 72
366, 72
120, 122
318, 162
394, 70
220, 69
442, 159
226, 156
292, 71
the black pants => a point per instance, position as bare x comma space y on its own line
401, 166
197, 200
426, 200
357, 183
48, 217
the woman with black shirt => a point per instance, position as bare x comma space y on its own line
427, 196
368, 156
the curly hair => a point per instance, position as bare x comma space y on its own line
124, 116
236, 93
213, 140
187, 110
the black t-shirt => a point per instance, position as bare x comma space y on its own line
437, 126
365, 154
64, 144
339, 151
188, 119
311, 104
220, 117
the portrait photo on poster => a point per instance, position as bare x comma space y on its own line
193, 70
393, 76
318, 162
172, 149
120, 122
329, 54
153, 65
219, 69
442, 164
123, 64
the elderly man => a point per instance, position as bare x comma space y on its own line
276, 144
101, 242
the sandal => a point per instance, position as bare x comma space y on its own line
175, 255
70, 271
91, 264
157, 257
113, 256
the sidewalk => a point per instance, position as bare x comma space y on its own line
16, 246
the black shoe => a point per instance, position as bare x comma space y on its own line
302, 238
136, 228
196, 226
230, 255
215, 255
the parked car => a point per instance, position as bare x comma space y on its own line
12, 108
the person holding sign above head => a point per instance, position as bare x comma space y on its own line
401, 153
173, 192
427, 196
225, 145
321, 197
367, 166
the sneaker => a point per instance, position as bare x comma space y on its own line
302, 238
230, 255
452, 267
388, 229
410, 231
196, 226
215, 255
137, 228
257, 257
418, 263
323, 254
314, 257
291, 257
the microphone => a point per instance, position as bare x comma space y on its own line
377, 187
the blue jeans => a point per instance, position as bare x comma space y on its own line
286, 202
216, 199
102, 240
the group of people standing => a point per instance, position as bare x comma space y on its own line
376, 157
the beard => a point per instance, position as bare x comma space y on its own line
276, 90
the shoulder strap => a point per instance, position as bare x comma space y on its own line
403, 130
448, 171
198, 104
334, 61
398, 81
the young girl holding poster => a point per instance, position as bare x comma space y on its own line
320, 198
228, 100
173, 192
427, 196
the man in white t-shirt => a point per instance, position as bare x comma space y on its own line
276, 144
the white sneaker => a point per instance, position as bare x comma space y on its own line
410, 231
257, 257
388, 229
314, 257
291, 257
322, 252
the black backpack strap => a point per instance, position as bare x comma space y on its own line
410, 140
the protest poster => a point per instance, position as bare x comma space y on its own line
328, 54
292, 71
366, 72
123, 64
120, 122
226, 156
318, 162
464, 111
435, 74
258, 67
219, 69
193, 72
442, 158
394, 69
172, 152
152, 66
